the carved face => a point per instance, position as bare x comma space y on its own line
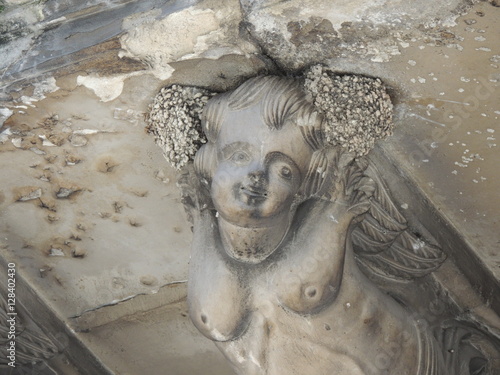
259, 170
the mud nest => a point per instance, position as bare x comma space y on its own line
175, 121
357, 109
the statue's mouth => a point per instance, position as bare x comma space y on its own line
254, 192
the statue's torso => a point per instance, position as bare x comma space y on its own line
277, 317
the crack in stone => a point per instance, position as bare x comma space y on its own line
128, 298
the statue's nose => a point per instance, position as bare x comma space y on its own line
256, 175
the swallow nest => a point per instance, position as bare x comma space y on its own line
357, 109
175, 121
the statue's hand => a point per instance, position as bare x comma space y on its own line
333, 187
345, 181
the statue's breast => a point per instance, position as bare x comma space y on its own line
218, 297
219, 310
308, 277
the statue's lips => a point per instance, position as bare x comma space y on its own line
254, 192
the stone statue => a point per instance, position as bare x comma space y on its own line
286, 211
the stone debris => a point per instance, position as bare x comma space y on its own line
65, 192
86, 131
46, 142
77, 140
56, 139
52, 218
54, 252
128, 115
5, 113
134, 223
17, 142
50, 121
175, 121
4, 136
37, 151
28, 193
78, 253
72, 160
44, 271
357, 109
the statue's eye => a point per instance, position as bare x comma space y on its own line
240, 157
286, 172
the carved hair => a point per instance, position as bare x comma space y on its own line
281, 100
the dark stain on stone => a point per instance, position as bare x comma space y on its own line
118, 207
315, 31
13, 29
134, 223
102, 58
106, 165
47, 204
360, 32
50, 122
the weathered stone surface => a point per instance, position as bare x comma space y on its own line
56, 30
443, 79
206, 30
296, 34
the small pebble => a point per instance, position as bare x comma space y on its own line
78, 253
148, 280
78, 140
28, 195
64, 193
54, 252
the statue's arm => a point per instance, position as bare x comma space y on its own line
321, 235
194, 190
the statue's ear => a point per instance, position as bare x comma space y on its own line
205, 162
175, 121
